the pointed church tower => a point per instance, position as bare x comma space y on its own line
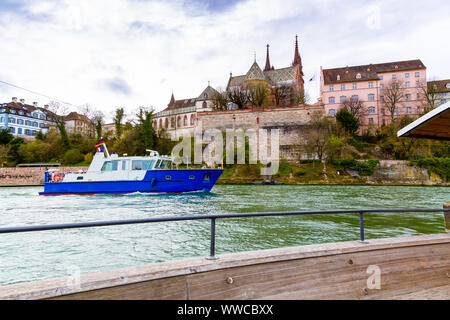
268, 67
172, 100
297, 59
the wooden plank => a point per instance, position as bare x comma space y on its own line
162, 289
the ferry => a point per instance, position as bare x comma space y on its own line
111, 174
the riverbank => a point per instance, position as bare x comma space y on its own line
307, 172
386, 172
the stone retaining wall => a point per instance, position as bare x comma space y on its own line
29, 176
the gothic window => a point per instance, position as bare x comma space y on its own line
172, 122
192, 119
204, 105
185, 121
179, 121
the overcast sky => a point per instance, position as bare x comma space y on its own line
112, 53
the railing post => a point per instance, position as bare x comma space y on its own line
361, 227
212, 248
447, 217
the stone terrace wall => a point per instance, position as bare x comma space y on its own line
290, 121
29, 176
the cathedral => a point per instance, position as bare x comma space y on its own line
291, 77
181, 116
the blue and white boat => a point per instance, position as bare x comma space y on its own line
111, 174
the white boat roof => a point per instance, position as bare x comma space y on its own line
433, 125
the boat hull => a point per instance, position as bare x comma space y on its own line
154, 181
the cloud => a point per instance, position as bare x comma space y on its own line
142, 50
119, 86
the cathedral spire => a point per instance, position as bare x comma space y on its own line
297, 59
267, 67
172, 100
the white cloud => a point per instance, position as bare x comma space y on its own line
113, 53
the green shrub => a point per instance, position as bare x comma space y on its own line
73, 156
440, 166
299, 172
364, 168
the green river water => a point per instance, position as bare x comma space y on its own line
49, 254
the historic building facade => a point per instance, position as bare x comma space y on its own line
371, 84
24, 120
291, 76
439, 90
78, 123
180, 116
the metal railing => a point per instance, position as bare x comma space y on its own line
213, 219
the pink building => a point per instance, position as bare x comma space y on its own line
369, 84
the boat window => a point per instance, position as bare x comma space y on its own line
166, 164
124, 164
206, 177
158, 162
136, 165
110, 165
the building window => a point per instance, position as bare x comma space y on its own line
407, 84
417, 83
382, 112
179, 121
407, 75
172, 122
338, 77
185, 123
12, 130
380, 77
381, 86
19, 130
370, 84
418, 96
384, 122
354, 98
21, 112
331, 88
354, 85
358, 76
342, 86
192, 119
408, 97
416, 74
394, 76
155, 124
166, 124
342, 99
408, 109
382, 98
12, 120
331, 112
371, 97
418, 109
204, 105
370, 120
396, 111
371, 110
331, 100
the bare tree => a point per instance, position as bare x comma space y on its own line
281, 93
429, 95
220, 100
355, 107
316, 137
301, 97
393, 95
238, 97
59, 111
258, 95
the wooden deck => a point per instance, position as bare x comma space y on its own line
409, 268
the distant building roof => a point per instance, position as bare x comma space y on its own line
75, 116
27, 108
433, 125
369, 71
439, 85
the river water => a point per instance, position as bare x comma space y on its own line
48, 254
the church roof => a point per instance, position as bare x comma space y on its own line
255, 73
282, 75
207, 94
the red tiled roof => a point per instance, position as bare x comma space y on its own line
369, 71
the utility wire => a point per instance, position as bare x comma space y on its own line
40, 94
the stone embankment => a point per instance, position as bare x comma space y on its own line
30, 176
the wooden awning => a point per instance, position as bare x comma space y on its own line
433, 125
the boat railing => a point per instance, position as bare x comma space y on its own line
214, 217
